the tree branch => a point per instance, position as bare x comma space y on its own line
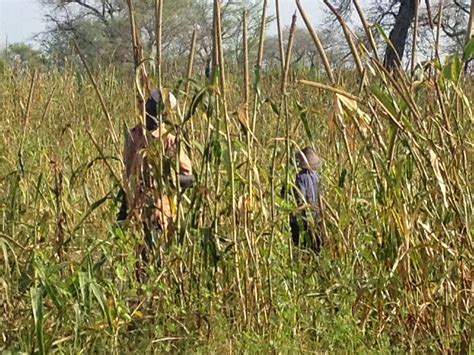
461, 7
100, 15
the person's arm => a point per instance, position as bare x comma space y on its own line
185, 175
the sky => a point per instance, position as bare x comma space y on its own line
20, 20
315, 11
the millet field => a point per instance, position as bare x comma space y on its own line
395, 273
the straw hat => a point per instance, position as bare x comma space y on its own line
308, 159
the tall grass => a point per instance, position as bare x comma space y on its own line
395, 273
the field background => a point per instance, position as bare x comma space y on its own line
395, 274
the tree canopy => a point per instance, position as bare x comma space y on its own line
102, 27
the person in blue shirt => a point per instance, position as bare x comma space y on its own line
304, 223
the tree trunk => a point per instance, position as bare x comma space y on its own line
399, 33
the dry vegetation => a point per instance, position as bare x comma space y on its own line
396, 270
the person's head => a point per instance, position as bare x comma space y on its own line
307, 159
152, 107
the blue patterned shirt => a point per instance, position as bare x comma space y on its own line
307, 184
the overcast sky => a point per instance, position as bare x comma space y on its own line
20, 20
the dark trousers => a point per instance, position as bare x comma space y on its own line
304, 234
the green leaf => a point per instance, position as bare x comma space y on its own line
98, 265
36, 294
209, 247
385, 100
452, 69
226, 159
84, 288
197, 98
91, 209
304, 118
100, 298
52, 292
199, 147
216, 149
468, 50
382, 33
274, 107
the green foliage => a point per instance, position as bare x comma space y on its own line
391, 276
468, 53
22, 56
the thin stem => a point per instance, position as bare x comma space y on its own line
280, 37
158, 35
367, 30
317, 42
348, 36
220, 56
189, 70
415, 36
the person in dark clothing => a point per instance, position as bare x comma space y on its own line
304, 223
136, 141
152, 208
151, 112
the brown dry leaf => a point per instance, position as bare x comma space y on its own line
435, 163
242, 207
351, 107
242, 117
